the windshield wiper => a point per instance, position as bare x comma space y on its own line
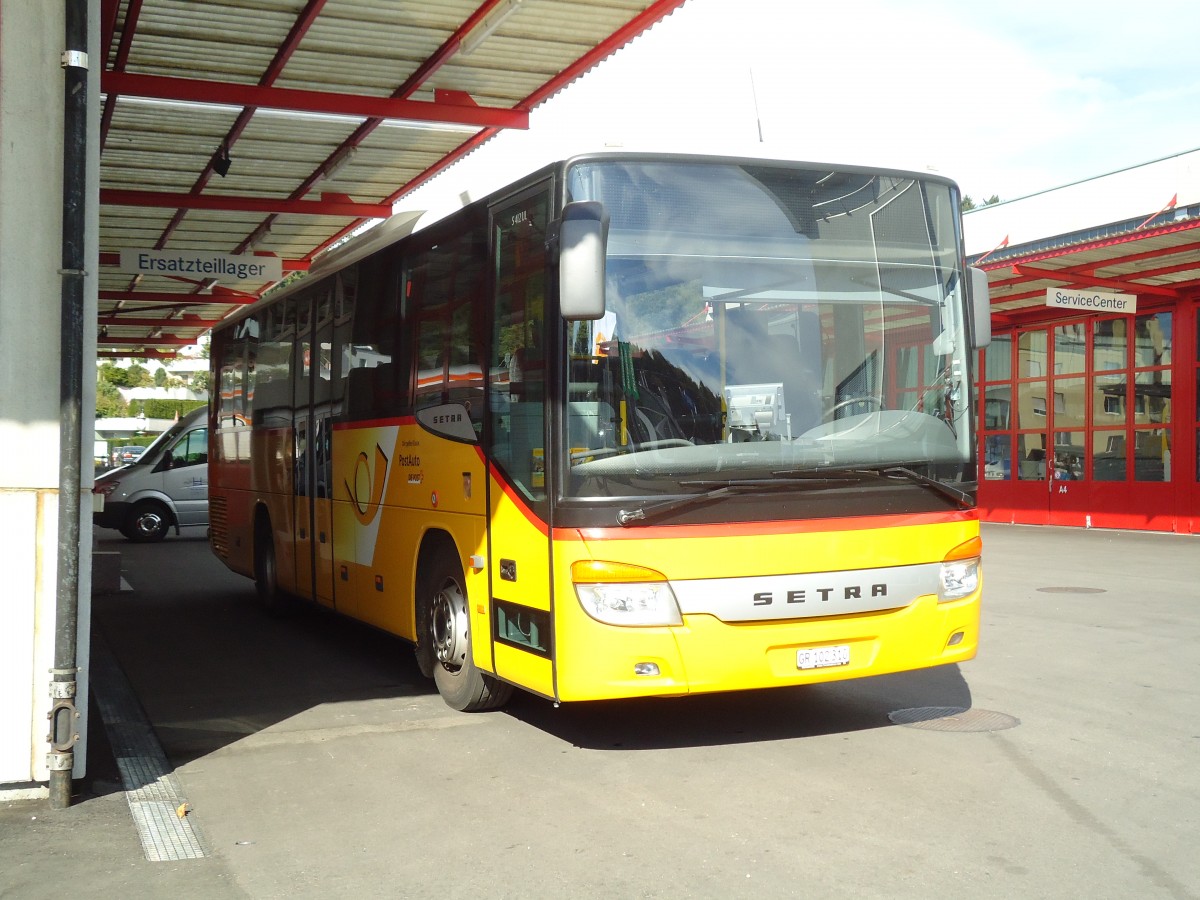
725, 488
962, 498
789, 480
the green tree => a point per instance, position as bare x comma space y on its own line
140, 376
166, 409
968, 203
109, 403
116, 376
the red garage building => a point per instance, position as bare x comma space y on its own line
1089, 395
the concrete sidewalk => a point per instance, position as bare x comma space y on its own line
315, 762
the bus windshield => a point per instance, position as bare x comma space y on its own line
767, 321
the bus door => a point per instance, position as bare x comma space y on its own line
302, 451
321, 450
518, 535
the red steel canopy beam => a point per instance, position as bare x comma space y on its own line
128, 29
1068, 277
329, 205
196, 90
167, 340
422, 74
144, 354
169, 297
1102, 243
295, 35
185, 322
1190, 251
619, 38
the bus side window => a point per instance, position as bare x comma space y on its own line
444, 282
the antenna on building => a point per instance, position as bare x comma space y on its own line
757, 116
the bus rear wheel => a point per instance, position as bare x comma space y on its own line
460, 682
266, 570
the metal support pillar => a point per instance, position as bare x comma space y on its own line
63, 714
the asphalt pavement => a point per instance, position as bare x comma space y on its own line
231, 754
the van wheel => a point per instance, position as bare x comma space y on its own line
462, 685
266, 570
147, 523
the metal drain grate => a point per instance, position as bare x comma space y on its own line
953, 718
151, 788
1066, 589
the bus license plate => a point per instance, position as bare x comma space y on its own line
820, 657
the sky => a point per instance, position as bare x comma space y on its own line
1007, 99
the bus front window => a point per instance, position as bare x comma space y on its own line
817, 325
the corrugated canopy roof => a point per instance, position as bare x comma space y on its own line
1157, 257
1099, 233
277, 127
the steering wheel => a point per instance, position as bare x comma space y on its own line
865, 398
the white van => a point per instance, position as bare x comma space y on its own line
166, 486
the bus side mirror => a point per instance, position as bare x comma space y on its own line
981, 309
582, 245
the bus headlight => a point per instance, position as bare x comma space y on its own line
620, 594
960, 571
959, 579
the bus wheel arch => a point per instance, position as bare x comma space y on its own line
443, 644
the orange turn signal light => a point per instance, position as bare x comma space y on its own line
596, 571
966, 550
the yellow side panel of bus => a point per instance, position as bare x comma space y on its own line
402, 483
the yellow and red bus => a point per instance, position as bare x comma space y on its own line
638, 425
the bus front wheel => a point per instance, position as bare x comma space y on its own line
462, 685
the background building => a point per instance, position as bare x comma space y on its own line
1089, 390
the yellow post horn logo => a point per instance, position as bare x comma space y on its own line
368, 482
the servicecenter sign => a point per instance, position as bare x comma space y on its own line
1091, 301
202, 266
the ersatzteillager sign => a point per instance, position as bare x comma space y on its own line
221, 266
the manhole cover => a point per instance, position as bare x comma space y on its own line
1071, 590
953, 718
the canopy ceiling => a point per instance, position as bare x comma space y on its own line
1157, 258
277, 127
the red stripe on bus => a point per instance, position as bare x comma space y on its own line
374, 423
782, 526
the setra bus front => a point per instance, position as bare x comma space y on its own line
761, 464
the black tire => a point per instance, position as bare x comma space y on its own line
147, 523
266, 571
446, 620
